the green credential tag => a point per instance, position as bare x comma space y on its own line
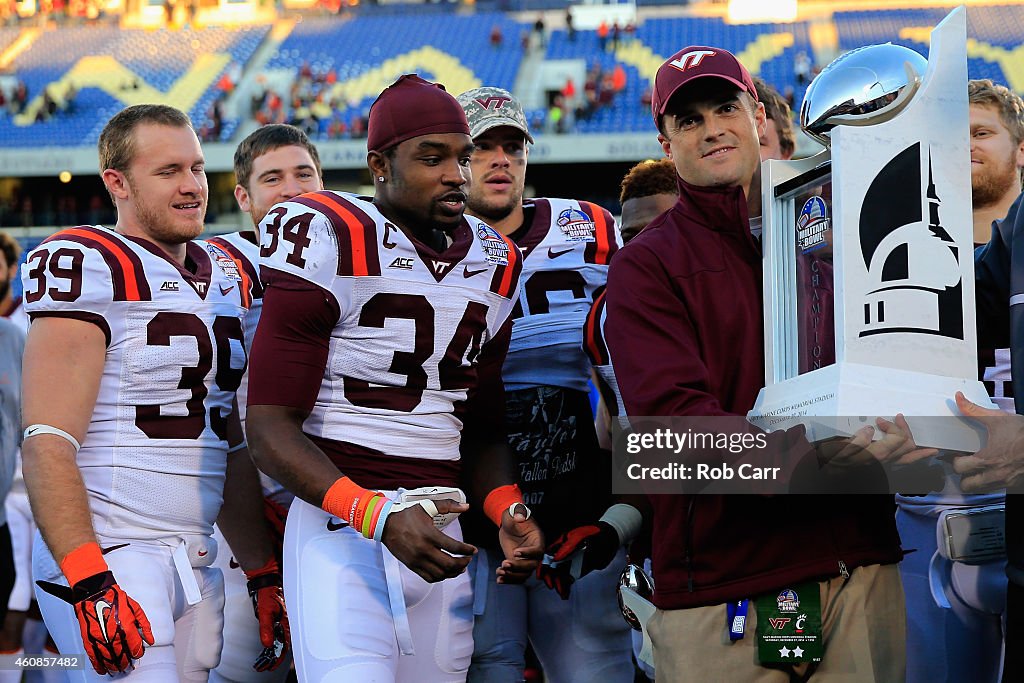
789, 625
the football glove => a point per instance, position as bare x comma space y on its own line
575, 554
265, 589
114, 628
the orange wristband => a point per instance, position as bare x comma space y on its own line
271, 567
501, 499
84, 561
360, 507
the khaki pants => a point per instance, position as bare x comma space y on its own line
864, 633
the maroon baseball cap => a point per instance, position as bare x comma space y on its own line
692, 62
411, 107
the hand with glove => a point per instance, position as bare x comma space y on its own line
580, 551
575, 554
114, 628
267, 593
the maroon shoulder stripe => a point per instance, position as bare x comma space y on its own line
355, 230
600, 251
126, 272
593, 331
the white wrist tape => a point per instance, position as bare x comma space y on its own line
37, 429
512, 510
625, 519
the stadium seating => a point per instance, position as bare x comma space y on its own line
113, 66
767, 49
368, 52
994, 33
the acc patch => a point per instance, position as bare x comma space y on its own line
811, 224
577, 226
494, 245
224, 262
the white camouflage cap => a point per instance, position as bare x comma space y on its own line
488, 108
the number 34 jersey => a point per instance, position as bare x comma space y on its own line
411, 321
153, 460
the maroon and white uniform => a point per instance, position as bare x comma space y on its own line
242, 643
154, 457
406, 334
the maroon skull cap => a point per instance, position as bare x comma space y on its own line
411, 107
693, 62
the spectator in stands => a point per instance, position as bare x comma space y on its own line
618, 78
19, 100
630, 31
555, 114
497, 37
779, 139
616, 34
789, 95
539, 30
645, 98
570, 30
802, 68
337, 128
602, 35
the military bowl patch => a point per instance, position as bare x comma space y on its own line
577, 226
494, 245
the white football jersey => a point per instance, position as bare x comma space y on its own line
246, 256
566, 251
153, 460
411, 324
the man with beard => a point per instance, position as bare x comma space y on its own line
131, 445
274, 164
566, 246
997, 153
955, 608
375, 389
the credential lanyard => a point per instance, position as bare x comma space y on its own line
736, 612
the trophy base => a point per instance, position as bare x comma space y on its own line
841, 398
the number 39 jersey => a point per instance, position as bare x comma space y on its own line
566, 251
153, 460
411, 321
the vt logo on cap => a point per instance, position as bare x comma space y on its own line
691, 59
497, 101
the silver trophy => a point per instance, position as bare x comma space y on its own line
869, 271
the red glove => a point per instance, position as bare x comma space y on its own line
267, 595
596, 544
113, 625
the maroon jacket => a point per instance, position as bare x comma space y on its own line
684, 327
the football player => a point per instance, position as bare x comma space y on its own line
566, 247
274, 164
376, 363
132, 360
